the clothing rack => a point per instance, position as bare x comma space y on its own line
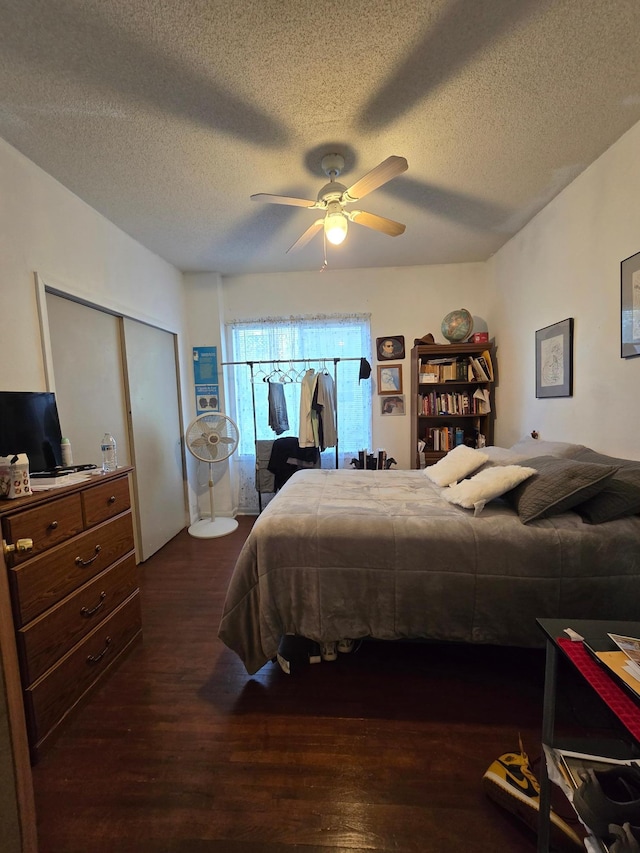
276, 361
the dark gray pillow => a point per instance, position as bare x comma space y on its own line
620, 495
559, 485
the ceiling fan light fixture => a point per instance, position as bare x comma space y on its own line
335, 224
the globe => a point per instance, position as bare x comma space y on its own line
457, 326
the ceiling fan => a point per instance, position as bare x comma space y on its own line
333, 197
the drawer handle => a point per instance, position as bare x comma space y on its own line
112, 499
88, 613
53, 525
97, 658
20, 546
81, 562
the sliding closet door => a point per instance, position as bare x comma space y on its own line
88, 370
118, 375
157, 454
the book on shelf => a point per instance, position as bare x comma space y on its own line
479, 372
482, 401
445, 370
485, 360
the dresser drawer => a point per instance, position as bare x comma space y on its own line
48, 637
43, 581
53, 695
105, 501
47, 525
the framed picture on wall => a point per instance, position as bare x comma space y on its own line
390, 348
630, 306
554, 360
389, 379
392, 405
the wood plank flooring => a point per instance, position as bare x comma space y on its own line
381, 751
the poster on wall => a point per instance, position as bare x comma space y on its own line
205, 377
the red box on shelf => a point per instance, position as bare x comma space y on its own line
480, 338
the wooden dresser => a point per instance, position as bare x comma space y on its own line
74, 594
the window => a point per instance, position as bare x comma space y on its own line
317, 341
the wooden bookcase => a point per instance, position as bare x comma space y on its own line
447, 406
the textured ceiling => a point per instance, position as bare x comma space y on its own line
166, 115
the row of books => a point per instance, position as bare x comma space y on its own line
440, 403
445, 370
463, 369
443, 438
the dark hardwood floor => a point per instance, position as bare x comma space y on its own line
181, 751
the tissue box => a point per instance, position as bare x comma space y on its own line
14, 476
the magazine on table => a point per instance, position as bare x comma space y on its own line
631, 647
620, 656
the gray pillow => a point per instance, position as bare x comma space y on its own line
502, 456
536, 447
620, 495
559, 485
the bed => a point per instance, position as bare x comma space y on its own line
385, 554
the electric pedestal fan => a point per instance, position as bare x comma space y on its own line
211, 438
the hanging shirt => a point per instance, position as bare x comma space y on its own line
325, 404
308, 430
278, 418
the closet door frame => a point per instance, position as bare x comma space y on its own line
43, 287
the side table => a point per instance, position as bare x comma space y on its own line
554, 629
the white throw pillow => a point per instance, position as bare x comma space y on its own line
457, 464
488, 484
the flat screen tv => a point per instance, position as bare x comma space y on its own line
29, 423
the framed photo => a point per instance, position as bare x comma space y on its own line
389, 379
630, 306
554, 360
390, 348
392, 405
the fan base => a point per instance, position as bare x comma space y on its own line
207, 529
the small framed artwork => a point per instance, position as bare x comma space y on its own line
554, 360
630, 306
390, 348
392, 405
389, 379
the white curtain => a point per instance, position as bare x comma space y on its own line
282, 342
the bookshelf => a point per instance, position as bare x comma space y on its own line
451, 400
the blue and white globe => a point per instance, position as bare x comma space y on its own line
457, 326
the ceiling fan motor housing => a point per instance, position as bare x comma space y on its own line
331, 192
332, 164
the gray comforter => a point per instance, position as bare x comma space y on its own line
344, 553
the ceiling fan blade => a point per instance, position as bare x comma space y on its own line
378, 223
385, 171
283, 199
308, 234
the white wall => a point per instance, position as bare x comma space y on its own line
44, 228
203, 292
409, 301
566, 263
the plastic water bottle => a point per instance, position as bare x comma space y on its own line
109, 457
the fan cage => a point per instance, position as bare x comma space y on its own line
212, 437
